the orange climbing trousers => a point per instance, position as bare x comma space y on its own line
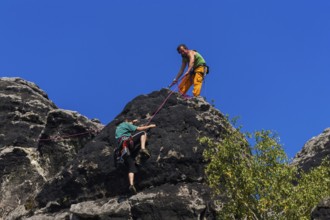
195, 78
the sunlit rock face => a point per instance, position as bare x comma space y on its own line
23, 114
314, 151
28, 122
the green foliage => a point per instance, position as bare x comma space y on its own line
257, 182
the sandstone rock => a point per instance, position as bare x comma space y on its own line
312, 154
314, 151
91, 179
154, 203
65, 133
321, 211
58, 164
23, 112
26, 116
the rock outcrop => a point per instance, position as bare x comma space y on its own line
171, 184
57, 164
322, 210
311, 155
314, 151
29, 124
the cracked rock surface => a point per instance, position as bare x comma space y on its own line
28, 156
57, 164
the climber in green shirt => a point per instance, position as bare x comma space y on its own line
195, 73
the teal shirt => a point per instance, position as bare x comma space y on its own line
125, 129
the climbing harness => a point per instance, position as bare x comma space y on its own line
125, 147
206, 68
124, 144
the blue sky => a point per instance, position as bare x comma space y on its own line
270, 60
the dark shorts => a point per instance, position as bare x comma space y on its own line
130, 163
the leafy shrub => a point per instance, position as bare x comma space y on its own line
256, 181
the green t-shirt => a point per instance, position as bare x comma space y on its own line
199, 60
125, 129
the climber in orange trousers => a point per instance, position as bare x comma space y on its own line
195, 72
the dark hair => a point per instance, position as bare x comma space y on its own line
130, 118
181, 45
123, 118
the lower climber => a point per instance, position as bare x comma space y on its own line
128, 143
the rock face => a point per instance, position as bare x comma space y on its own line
313, 152
23, 113
57, 164
28, 123
322, 211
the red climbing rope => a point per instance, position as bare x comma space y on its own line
58, 137
160, 107
169, 95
